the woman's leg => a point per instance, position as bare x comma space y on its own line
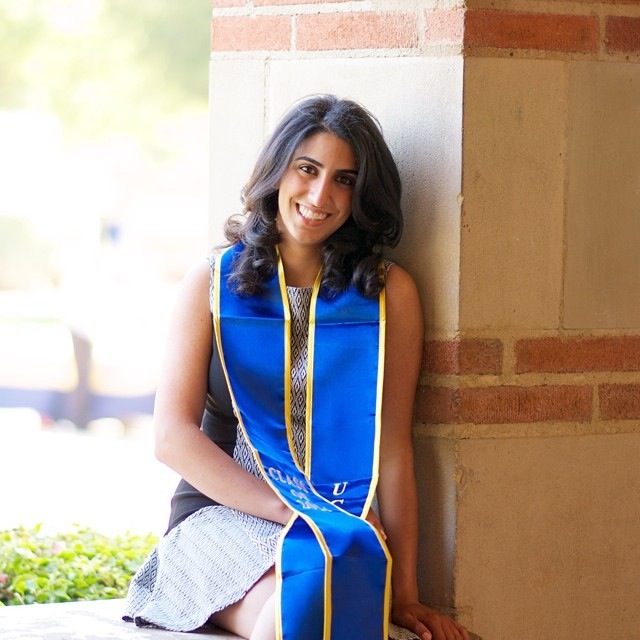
254, 616
265, 627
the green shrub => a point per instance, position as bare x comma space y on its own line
40, 567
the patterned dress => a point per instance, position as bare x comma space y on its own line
214, 556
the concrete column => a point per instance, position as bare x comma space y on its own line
515, 127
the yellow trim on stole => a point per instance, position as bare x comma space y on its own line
374, 485
328, 558
310, 362
318, 534
289, 430
287, 360
375, 474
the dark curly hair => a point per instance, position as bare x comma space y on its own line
352, 254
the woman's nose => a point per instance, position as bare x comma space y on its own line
319, 191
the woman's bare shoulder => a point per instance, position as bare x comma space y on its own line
194, 289
400, 285
198, 274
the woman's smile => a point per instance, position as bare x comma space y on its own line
309, 213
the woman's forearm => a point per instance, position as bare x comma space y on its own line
399, 513
188, 451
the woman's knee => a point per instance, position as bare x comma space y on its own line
265, 627
243, 616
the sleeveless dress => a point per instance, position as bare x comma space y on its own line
212, 554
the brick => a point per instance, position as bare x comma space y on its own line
505, 404
509, 30
466, 356
366, 30
622, 35
573, 355
446, 26
619, 401
251, 33
438, 405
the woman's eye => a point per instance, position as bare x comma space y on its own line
307, 168
348, 181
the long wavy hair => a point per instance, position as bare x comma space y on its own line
352, 254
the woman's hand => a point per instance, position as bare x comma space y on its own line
427, 623
372, 518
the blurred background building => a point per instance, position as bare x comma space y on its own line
103, 196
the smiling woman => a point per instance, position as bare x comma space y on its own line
296, 340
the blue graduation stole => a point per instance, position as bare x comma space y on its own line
333, 568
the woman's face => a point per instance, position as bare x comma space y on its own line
316, 191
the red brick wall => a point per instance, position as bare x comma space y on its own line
290, 25
524, 380
499, 379
608, 30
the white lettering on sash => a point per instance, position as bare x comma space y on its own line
338, 489
304, 503
278, 476
298, 489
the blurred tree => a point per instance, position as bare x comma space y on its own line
21, 30
104, 66
103, 120
26, 261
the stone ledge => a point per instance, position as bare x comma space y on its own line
100, 620
97, 620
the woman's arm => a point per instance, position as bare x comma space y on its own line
179, 406
397, 493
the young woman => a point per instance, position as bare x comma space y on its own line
286, 405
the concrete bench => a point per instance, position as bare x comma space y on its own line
95, 620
